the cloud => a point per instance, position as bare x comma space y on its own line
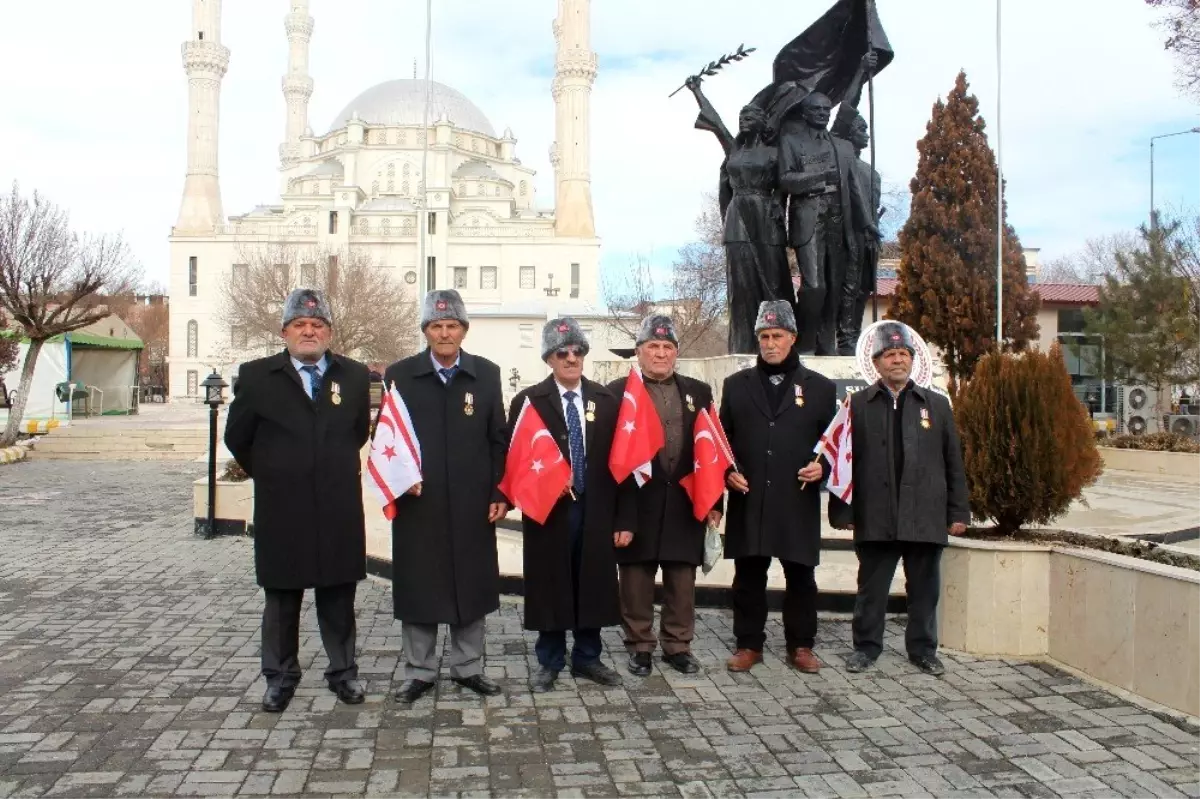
98, 122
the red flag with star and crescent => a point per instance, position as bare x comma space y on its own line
639, 434
711, 461
394, 462
535, 473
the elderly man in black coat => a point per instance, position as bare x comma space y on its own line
910, 491
570, 564
669, 536
774, 413
297, 425
444, 566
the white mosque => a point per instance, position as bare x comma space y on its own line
471, 211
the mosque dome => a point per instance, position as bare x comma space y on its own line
402, 102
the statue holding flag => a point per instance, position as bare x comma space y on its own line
444, 414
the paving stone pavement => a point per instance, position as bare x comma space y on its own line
129, 666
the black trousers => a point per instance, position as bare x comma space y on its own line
750, 604
281, 633
922, 583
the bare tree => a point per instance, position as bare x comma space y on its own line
693, 293
1180, 20
374, 318
53, 280
152, 324
1090, 263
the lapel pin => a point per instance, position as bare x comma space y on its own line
799, 397
691, 404
469, 404
335, 393
925, 419
590, 414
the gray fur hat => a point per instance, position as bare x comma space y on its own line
564, 332
892, 336
442, 304
657, 328
306, 304
775, 314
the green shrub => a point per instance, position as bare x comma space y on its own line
1154, 442
1028, 444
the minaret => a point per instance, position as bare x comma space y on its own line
574, 73
205, 60
297, 85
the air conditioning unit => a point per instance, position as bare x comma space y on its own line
1185, 424
1139, 410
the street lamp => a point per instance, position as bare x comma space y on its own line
213, 397
514, 379
550, 290
1153, 221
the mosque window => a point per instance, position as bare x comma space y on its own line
401, 137
462, 189
433, 223
407, 171
487, 277
528, 277
431, 271
460, 277
193, 338
479, 189
193, 382
374, 188
524, 188
391, 185
192, 276
574, 281
406, 188
333, 221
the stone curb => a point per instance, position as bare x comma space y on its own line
16, 453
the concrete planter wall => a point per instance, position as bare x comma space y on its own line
1128, 622
234, 506
1184, 466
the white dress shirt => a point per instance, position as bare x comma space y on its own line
578, 406
437, 365
305, 377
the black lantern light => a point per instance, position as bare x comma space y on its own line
514, 379
214, 397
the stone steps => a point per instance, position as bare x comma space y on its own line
124, 443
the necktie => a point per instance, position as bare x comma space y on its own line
314, 380
575, 437
448, 373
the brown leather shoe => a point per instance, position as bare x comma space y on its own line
804, 660
743, 660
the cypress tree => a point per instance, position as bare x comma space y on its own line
947, 276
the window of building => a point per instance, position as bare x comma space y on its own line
574, 281
524, 188
1070, 320
193, 382
238, 338
241, 274
528, 278
433, 223
431, 272
487, 277
283, 274
526, 336
192, 276
308, 275
460, 277
193, 338
333, 221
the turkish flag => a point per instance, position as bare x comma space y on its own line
639, 434
706, 483
536, 472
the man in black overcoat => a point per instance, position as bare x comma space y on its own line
444, 566
669, 536
297, 426
569, 562
774, 413
910, 491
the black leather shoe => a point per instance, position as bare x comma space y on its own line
598, 673
682, 662
349, 691
639, 664
412, 690
277, 698
930, 664
542, 680
479, 684
858, 661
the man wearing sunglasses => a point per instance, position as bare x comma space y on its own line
570, 564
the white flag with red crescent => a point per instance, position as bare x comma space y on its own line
394, 462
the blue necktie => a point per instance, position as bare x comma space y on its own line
575, 437
314, 380
448, 373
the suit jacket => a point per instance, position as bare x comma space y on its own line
550, 588
797, 172
304, 457
771, 444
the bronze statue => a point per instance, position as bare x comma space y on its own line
755, 256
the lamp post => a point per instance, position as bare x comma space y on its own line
1153, 219
514, 379
550, 290
213, 397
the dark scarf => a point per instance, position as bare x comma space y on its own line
765, 370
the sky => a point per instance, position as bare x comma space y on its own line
95, 102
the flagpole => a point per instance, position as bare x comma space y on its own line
871, 134
999, 199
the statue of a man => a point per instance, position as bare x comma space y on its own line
815, 174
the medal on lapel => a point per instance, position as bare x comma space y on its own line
590, 414
690, 403
335, 393
469, 404
799, 397
925, 419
